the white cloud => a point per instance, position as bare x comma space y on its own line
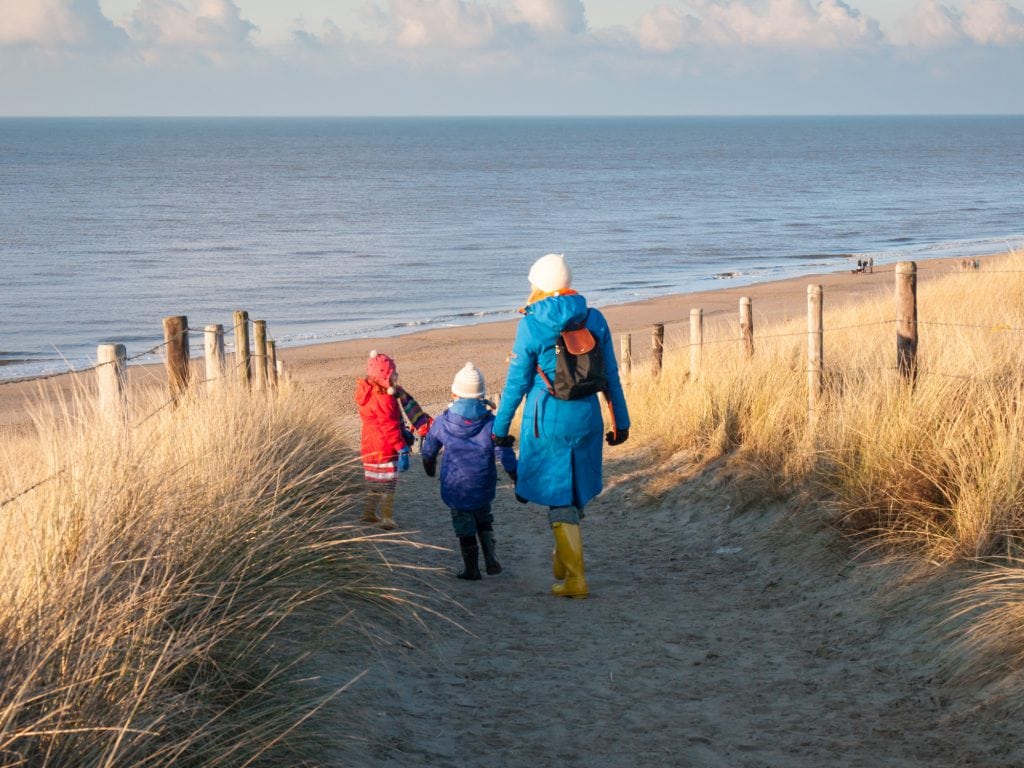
421, 23
469, 24
156, 30
503, 56
214, 25
667, 28
828, 24
934, 24
993, 22
981, 22
75, 24
559, 17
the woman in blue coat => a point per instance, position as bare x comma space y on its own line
560, 440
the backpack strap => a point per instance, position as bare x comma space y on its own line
547, 381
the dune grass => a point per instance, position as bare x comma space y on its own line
145, 584
931, 473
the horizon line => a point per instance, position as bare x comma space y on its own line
508, 116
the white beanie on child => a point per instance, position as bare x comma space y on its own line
469, 382
550, 273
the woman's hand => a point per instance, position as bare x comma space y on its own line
618, 437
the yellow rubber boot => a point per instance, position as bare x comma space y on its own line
387, 506
370, 508
569, 550
557, 567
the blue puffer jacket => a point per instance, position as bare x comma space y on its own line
561, 441
468, 473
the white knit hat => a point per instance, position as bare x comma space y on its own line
469, 382
550, 273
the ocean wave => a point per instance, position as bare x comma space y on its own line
964, 247
807, 256
321, 252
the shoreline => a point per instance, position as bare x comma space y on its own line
144, 349
428, 359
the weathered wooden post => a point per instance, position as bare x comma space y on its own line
176, 360
242, 364
259, 353
815, 349
272, 362
281, 378
626, 353
214, 348
696, 341
906, 320
658, 348
111, 371
747, 325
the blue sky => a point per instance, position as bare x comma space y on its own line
510, 57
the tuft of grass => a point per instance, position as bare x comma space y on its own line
145, 583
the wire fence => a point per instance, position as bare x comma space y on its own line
96, 366
169, 340
908, 329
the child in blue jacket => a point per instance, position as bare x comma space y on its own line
468, 473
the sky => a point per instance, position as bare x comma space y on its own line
510, 57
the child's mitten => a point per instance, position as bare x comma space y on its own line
403, 460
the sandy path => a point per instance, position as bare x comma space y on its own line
703, 644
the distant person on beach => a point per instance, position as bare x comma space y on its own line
386, 442
560, 449
469, 476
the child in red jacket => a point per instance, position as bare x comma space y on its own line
385, 443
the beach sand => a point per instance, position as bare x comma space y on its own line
709, 639
427, 360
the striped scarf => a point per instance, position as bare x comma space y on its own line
417, 416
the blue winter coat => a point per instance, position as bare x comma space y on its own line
468, 473
561, 441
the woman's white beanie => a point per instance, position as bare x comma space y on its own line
550, 273
469, 382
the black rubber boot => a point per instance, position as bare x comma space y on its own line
487, 545
470, 552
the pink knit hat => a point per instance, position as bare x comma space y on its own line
380, 367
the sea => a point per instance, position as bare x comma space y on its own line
350, 228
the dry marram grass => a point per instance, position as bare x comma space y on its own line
144, 579
931, 472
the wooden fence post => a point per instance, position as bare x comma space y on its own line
111, 361
259, 353
626, 347
214, 347
696, 341
747, 325
176, 360
242, 365
658, 348
272, 362
815, 349
906, 320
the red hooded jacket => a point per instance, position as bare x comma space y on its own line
382, 423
